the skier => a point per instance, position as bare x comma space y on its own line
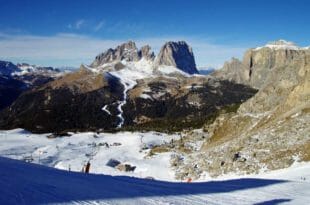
87, 167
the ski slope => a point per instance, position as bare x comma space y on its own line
31, 183
75, 151
27, 183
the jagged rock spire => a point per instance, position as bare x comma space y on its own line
126, 51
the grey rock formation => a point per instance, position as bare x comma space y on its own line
127, 51
177, 54
235, 71
146, 53
258, 63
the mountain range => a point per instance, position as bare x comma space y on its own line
127, 88
254, 112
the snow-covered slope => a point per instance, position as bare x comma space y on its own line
25, 69
26, 183
77, 150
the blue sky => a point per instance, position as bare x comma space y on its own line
71, 32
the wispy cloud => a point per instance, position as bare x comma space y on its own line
77, 25
99, 26
72, 49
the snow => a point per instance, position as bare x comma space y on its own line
27, 183
128, 76
127, 79
77, 150
30, 183
193, 86
145, 96
33, 69
281, 44
164, 69
105, 108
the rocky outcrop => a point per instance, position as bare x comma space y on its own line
146, 53
259, 63
235, 71
270, 130
127, 51
177, 54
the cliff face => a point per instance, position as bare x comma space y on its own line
234, 71
258, 63
177, 54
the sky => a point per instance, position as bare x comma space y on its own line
71, 32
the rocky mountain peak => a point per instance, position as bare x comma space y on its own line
8, 68
126, 51
146, 53
178, 54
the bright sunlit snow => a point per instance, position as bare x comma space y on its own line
75, 151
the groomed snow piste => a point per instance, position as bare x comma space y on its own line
27, 183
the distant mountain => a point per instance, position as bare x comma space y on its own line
10, 89
206, 70
7, 68
15, 79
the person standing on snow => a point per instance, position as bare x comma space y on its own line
87, 167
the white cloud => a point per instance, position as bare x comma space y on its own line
99, 25
66, 49
77, 25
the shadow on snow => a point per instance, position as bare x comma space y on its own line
25, 183
273, 202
